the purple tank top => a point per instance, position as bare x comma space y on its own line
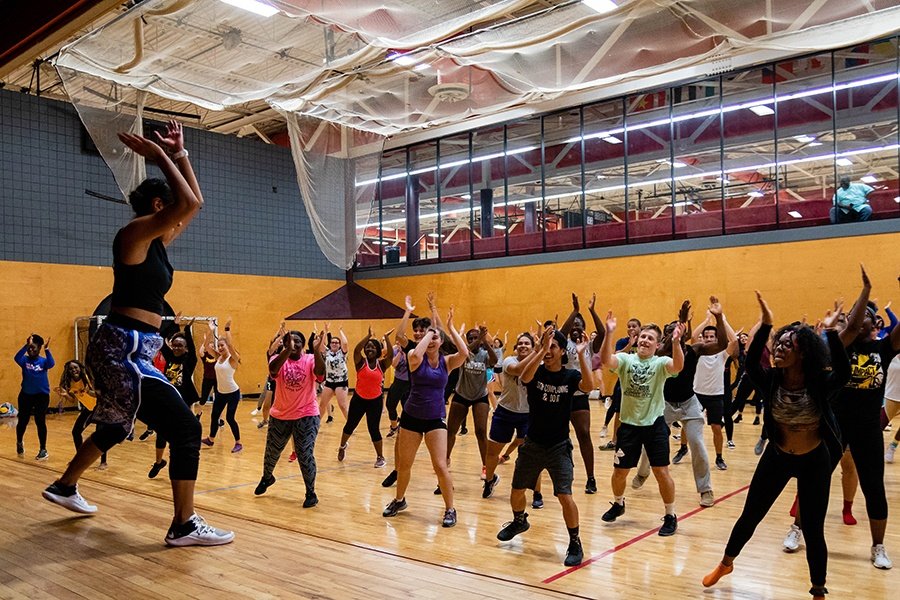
401, 371
426, 392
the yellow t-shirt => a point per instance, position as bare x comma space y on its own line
81, 393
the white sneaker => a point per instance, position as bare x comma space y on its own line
889, 453
707, 499
254, 412
638, 482
202, 534
794, 538
73, 501
603, 432
880, 558
607, 402
760, 447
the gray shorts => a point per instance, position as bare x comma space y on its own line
533, 458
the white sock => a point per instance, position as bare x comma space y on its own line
620, 500
670, 509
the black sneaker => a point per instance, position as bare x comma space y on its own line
615, 511
311, 500
390, 480
394, 507
739, 418
514, 528
756, 420
679, 456
591, 486
537, 502
669, 526
330, 419
449, 519
720, 464
146, 434
676, 425
20, 450
463, 431
221, 422
437, 491
156, 468
575, 553
264, 484
489, 486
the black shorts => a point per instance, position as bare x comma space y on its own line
333, 385
457, 399
411, 423
533, 458
270, 385
630, 439
581, 402
498, 370
398, 392
714, 407
505, 424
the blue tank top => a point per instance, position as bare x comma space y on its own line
426, 392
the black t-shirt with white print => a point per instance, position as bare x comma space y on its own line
550, 404
869, 362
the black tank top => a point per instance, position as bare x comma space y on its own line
144, 285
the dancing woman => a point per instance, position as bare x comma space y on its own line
796, 394
228, 394
76, 384
120, 355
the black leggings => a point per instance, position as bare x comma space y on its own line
359, 406
231, 400
33, 404
861, 431
81, 423
615, 405
728, 415
742, 396
206, 388
397, 395
163, 410
813, 473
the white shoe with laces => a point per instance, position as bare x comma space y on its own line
889, 453
200, 534
880, 558
794, 539
69, 499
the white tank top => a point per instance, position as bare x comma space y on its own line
892, 387
709, 378
225, 382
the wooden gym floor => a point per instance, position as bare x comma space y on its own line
344, 549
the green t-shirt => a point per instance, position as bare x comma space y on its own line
642, 387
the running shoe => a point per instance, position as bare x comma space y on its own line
437, 491
574, 554
607, 402
20, 449
889, 453
390, 480
449, 519
604, 432
720, 464
237, 448
590, 487
221, 422
264, 484
615, 511
342, 452
380, 463
513, 528
262, 424
611, 445
394, 507
638, 482
707, 499
489, 486
207, 442
42, 454
880, 558
68, 497
393, 431
760, 446
537, 502
731, 445
793, 539
669, 526
102, 466
146, 434
310, 500
156, 468
756, 420
739, 418
679, 456
197, 532
254, 412
330, 419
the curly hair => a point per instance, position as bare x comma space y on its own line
65, 381
815, 359
378, 347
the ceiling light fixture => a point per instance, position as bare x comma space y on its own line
795, 214
601, 6
844, 162
868, 179
255, 6
761, 110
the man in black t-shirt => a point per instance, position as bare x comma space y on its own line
547, 446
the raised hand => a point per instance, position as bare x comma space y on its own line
47, 344
141, 145
610, 322
582, 344
409, 304
388, 333
592, 302
430, 296
575, 302
288, 341
831, 317
173, 140
684, 314
865, 277
715, 308
678, 332
369, 334
766, 317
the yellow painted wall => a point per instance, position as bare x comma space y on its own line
46, 298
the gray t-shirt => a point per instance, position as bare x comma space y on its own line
514, 396
572, 353
472, 383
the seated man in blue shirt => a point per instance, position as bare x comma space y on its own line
851, 202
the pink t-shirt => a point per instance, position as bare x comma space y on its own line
295, 389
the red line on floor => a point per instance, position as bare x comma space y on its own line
636, 539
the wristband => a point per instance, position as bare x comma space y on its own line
180, 154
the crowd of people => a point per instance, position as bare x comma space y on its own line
825, 392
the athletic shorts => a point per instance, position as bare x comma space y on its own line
630, 439
581, 402
333, 385
457, 399
498, 370
715, 408
505, 424
534, 458
270, 385
411, 423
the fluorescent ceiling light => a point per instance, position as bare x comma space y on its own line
868, 179
897, 199
805, 139
756, 194
676, 164
402, 59
761, 110
435, 235
611, 139
601, 6
814, 144
844, 162
466, 196
387, 229
794, 214
254, 6
499, 226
